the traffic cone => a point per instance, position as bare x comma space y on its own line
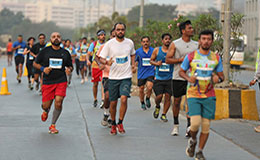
25, 72
4, 84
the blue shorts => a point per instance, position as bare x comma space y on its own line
118, 88
204, 107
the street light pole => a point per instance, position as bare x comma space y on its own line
227, 42
141, 20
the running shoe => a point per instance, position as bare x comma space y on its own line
40, 92
164, 118
82, 81
44, 116
199, 156
86, 78
95, 103
37, 86
104, 121
143, 106
113, 130
120, 128
175, 130
101, 104
187, 135
19, 79
53, 130
31, 87
156, 113
148, 103
109, 123
257, 129
191, 147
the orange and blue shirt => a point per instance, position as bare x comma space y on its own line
202, 66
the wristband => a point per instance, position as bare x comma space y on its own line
42, 68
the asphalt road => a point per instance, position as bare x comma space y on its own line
24, 137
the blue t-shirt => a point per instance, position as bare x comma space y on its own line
163, 72
145, 69
19, 51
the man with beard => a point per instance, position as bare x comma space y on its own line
18, 47
55, 62
163, 75
176, 53
145, 74
96, 72
121, 52
34, 52
205, 70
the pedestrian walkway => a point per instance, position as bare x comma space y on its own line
24, 136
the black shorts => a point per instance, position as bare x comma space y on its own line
37, 71
19, 60
30, 69
82, 64
9, 53
179, 88
142, 82
105, 84
162, 86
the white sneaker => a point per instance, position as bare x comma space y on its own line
86, 79
82, 81
175, 130
257, 129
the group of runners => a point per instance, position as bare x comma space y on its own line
177, 68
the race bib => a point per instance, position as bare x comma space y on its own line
55, 63
164, 67
121, 60
146, 62
31, 57
20, 51
204, 73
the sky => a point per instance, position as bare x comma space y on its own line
173, 2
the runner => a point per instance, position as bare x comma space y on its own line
163, 75
205, 70
73, 54
106, 121
176, 53
9, 52
145, 71
55, 62
77, 57
18, 47
83, 49
96, 72
34, 52
122, 56
29, 62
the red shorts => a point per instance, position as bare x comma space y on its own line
96, 75
49, 91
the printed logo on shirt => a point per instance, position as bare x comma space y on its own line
164, 67
146, 61
20, 51
55, 63
121, 60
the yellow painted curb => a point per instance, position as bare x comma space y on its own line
249, 107
222, 104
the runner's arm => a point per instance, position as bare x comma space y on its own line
170, 59
153, 57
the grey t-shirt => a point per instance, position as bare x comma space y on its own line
182, 49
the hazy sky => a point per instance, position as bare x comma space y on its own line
165, 1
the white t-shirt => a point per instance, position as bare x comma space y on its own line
121, 53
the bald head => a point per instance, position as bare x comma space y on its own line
55, 39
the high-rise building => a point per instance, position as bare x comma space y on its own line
252, 24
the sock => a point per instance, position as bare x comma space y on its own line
46, 110
120, 121
142, 102
200, 150
55, 116
163, 114
147, 98
176, 120
106, 111
188, 122
113, 123
158, 107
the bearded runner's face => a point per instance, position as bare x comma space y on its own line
120, 31
55, 39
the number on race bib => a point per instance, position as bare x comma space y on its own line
55, 63
146, 62
164, 67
